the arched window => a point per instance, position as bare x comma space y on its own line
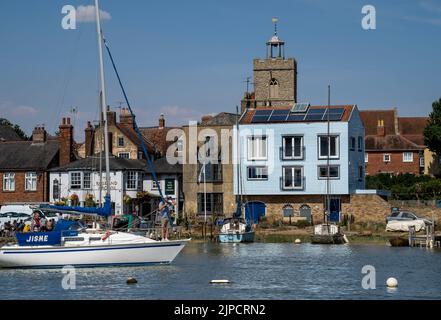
274, 88
288, 211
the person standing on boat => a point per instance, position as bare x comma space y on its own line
36, 223
164, 212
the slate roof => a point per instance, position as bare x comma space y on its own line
120, 164
26, 155
8, 134
221, 119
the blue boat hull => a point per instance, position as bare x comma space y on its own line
236, 237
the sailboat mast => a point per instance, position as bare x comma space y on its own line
239, 164
103, 94
328, 202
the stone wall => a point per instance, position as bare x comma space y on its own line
285, 71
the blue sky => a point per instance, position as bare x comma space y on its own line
189, 58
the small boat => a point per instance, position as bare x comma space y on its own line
328, 233
399, 242
235, 230
72, 244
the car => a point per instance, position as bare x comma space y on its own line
401, 215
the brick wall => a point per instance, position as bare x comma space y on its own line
376, 164
20, 194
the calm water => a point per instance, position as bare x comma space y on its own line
257, 271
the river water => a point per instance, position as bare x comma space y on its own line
256, 271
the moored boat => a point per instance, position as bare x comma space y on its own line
236, 230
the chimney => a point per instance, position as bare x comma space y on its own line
66, 141
397, 131
39, 135
380, 128
125, 118
161, 121
89, 133
111, 117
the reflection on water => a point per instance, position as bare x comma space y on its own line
256, 271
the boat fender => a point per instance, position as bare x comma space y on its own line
345, 238
107, 235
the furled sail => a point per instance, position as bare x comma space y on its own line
104, 211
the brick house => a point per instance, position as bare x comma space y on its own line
24, 165
392, 145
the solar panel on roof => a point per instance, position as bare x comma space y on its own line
296, 117
259, 119
279, 115
300, 107
335, 114
266, 112
315, 114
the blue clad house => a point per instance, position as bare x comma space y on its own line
284, 157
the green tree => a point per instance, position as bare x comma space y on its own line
15, 127
432, 132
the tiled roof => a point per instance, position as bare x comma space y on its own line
8, 134
157, 137
370, 120
26, 155
248, 116
120, 164
393, 142
131, 134
221, 119
413, 128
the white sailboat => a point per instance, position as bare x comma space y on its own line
327, 232
237, 229
72, 244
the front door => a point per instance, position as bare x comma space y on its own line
254, 210
335, 210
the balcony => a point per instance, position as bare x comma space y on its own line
283, 187
283, 156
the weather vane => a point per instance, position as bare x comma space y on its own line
275, 20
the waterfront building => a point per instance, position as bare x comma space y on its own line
395, 144
284, 153
24, 165
132, 189
209, 191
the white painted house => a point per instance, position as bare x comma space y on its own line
128, 179
284, 156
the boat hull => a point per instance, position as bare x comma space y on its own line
328, 239
236, 237
91, 256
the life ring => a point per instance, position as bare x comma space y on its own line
107, 235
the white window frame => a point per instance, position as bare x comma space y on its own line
388, 156
9, 181
155, 186
325, 177
422, 162
366, 157
337, 147
84, 180
293, 170
406, 159
262, 151
293, 138
30, 181
124, 153
77, 186
132, 176
260, 175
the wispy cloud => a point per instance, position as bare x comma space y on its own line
9, 109
430, 6
87, 14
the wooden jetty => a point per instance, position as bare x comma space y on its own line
428, 240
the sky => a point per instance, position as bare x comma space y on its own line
190, 58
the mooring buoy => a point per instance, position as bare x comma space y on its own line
220, 281
131, 280
392, 283
298, 241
